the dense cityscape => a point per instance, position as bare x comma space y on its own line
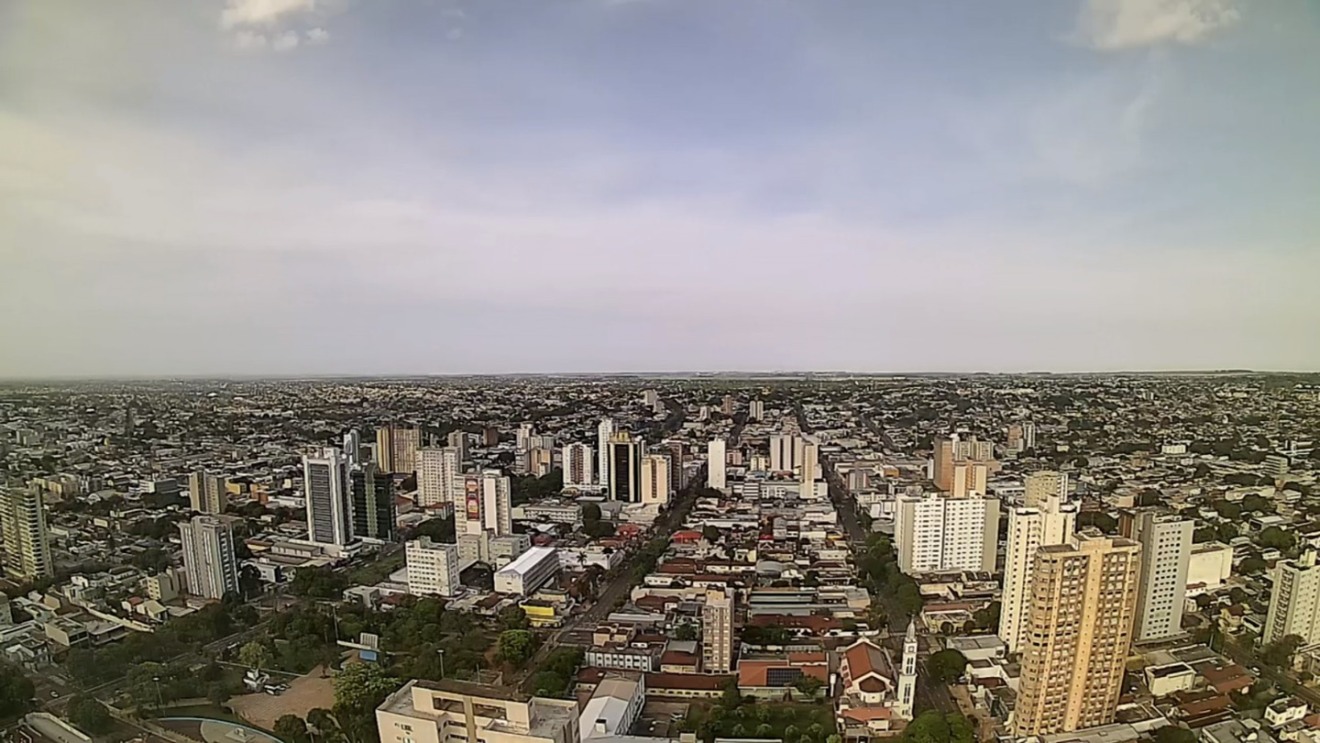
630, 559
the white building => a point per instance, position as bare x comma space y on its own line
717, 631
209, 564
716, 457
785, 453
809, 468
656, 487
527, 573
614, 706
937, 533
1208, 567
1295, 601
755, 410
325, 485
577, 461
453, 712
604, 432
1166, 549
486, 505
1029, 529
432, 568
439, 476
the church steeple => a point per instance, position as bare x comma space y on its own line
907, 677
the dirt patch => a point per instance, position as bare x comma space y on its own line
305, 694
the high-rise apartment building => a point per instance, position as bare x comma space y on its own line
396, 448
717, 631
458, 440
1295, 601
353, 447
726, 405
942, 469
209, 565
1166, 550
625, 467
1052, 522
785, 452
23, 528
577, 465
1040, 486
604, 433
487, 505
432, 568
540, 461
439, 476
656, 487
373, 503
937, 533
809, 469
523, 440
206, 492
677, 473
650, 398
1079, 631
716, 458
755, 410
326, 492
961, 465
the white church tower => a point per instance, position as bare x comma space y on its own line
907, 678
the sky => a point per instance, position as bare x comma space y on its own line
298, 187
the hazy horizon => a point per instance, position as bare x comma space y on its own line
334, 188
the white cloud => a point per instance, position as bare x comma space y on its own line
318, 36
285, 41
239, 13
250, 40
1126, 24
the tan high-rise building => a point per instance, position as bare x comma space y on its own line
655, 479
23, 527
207, 492
578, 462
396, 448
1029, 529
1040, 486
717, 631
1079, 631
942, 473
969, 478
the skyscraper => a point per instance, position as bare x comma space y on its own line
329, 514
353, 447
523, 441
809, 469
1029, 529
1295, 601
785, 452
655, 479
1079, 632
726, 405
23, 527
432, 568
755, 410
604, 433
717, 631
625, 467
439, 476
942, 470
577, 464
458, 440
1166, 550
937, 533
1042, 485
487, 505
715, 462
396, 448
209, 565
373, 503
206, 492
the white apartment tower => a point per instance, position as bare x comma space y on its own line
1295, 602
439, 476
716, 457
656, 486
325, 485
432, 568
604, 432
785, 452
577, 464
23, 528
717, 631
937, 533
487, 505
1166, 550
209, 564
1052, 522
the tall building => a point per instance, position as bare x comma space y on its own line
524, 438
716, 457
23, 528
540, 461
785, 452
1079, 632
717, 631
809, 468
907, 674
432, 568
1040, 486
209, 564
1166, 550
625, 467
1029, 529
650, 398
396, 448
942, 470
373, 503
577, 464
677, 474
206, 492
1029, 434
968, 478
604, 433
755, 410
439, 476
487, 505
961, 465
353, 447
458, 440
656, 487
726, 405
325, 484
458, 712
1295, 601
937, 533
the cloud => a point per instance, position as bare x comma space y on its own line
318, 36
1126, 24
250, 40
285, 42
238, 13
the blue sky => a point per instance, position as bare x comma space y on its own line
452, 186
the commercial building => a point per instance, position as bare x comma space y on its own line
23, 528
461, 712
938, 533
1079, 631
439, 476
716, 458
527, 573
1052, 522
614, 706
604, 434
625, 468
577, 461
1209, 567
396, 448
206, 492
1166, 549
432, 568
717, 631
656, 487
373, 503
329, 513
1295, 601
1042, 485
209, 565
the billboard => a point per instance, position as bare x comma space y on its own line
472, 491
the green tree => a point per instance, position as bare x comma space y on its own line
933, 727
323, 723
685, 632
1228, 510
987, 618
732, 697
1099, 519
1279, 653
1227, 531
363, 686
516, 646
809, 686
710, 533
946, 665
291, 729
16, 692
1252, 564
90, 716
254, 655
1275, 537
513, 617
1205, 534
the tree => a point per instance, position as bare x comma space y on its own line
363, 686
291, 729
987, 618
685, 632
710, 533
1275, 537
732, 697
1099, 519
516, 646
1227, 531
217, 693
1279, 653
1174, 734
323, 722
1257, 504
90, 716
513, 617
809, 686
946, 665
16, 692
1252, 565
933, 727
254, 655
1228, 509
1205, 534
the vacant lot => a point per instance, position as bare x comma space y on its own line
305, 693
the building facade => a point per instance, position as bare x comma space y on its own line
432, 568
373, 503
716, 459
209, 565
604, 434
1166, 551
396, 448
206, 492
577, 462
1295, 601
439, 476
625, 468
656, 487
325, 486
938, 533
1039, 486
461, 712
23, 528
1029, 529
717, 631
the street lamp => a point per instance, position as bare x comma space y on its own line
441, 652
160, 702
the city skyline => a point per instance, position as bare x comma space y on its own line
236, 188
